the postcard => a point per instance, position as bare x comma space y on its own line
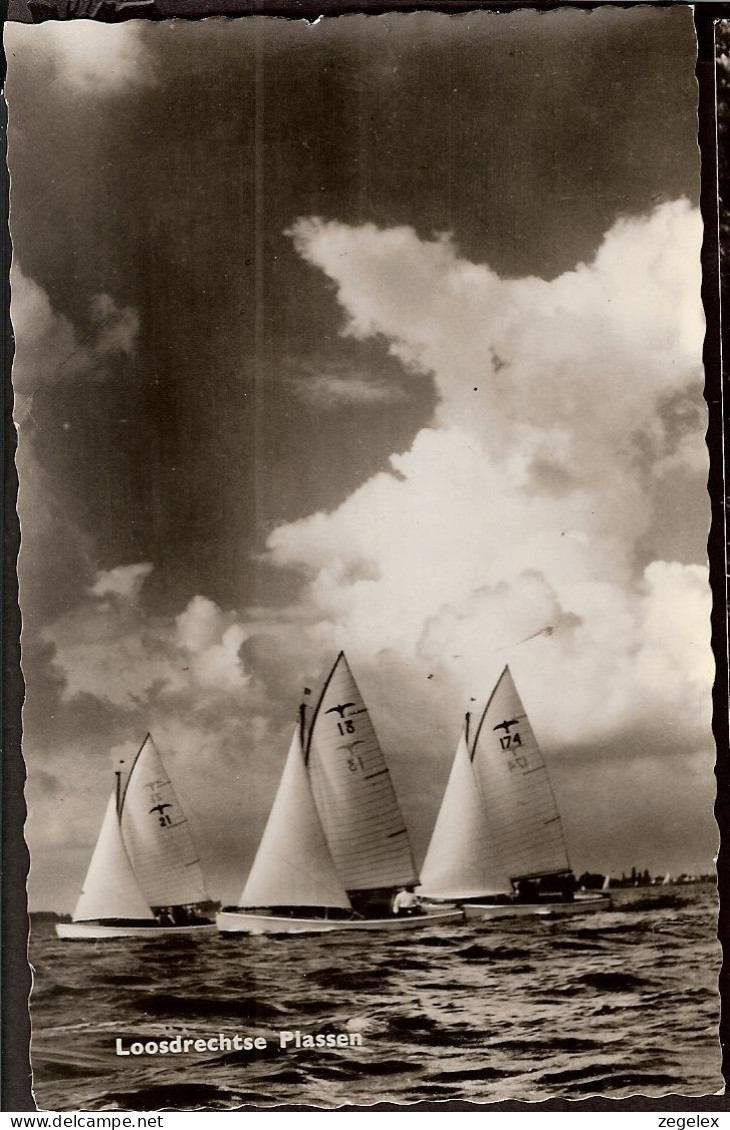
363, 572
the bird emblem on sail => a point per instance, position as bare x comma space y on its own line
349, 746
506, 726
339, 709
164, 818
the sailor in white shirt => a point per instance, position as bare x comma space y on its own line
405, 902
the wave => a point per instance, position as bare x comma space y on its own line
194, 1007
53, 991
174, 1096
641, 1082
344, 979
616, 1004
611, 982
546, 1047
384, 1067
484, 1073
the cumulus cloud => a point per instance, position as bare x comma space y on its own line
115, 328
517, 528
562, 406
213, 642
50, 349
56, 555
182, 677
110, 647
83, 55
124, 581
570, 370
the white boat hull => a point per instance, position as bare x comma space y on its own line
242, 922
93, 931
486, 911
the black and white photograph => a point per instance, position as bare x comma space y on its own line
363, 572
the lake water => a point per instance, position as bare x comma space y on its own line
612, 1004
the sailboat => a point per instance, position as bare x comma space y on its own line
461, 863
335, 846
498, 847
144, 878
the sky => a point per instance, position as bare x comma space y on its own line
379, 333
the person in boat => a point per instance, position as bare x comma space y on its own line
568, 887
526, 891
198, 916
405, 902
164, 916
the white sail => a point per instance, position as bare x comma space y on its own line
110, 889
514, 783
461, 861
293, 865
157, 836
351, 783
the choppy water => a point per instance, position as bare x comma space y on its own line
610, 1004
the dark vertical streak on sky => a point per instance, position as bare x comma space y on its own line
261, 296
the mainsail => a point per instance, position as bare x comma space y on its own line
157, 836
513, 780
110, 889
461, 861
352, 789
293, 865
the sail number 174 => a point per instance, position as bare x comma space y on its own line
510, 741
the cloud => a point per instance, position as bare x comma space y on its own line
182, 677
110, 647
115, 328
50, 349
330, 390
56, 556
84, 56
533, 497
213, 642
530, 502
124, 581
525, 363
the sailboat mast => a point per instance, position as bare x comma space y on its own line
118, 775
302, 721
148, 737
467, 720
